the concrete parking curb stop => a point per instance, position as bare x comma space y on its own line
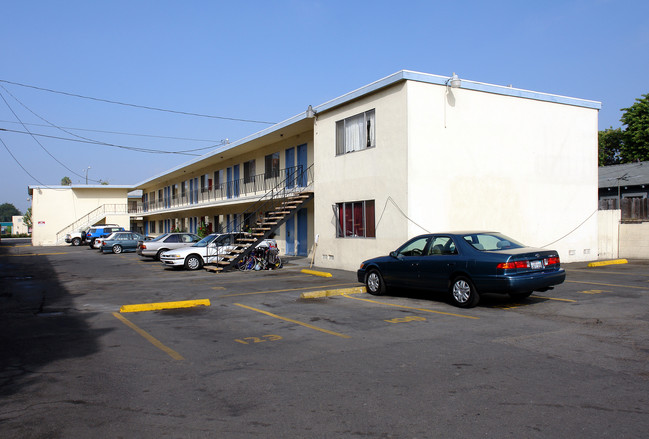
611, 262
316, 273
164, 305
328, 293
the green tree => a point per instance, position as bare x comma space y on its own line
65, 181
7, 210
610, 143
27, 218
636, 134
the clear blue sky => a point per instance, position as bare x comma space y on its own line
267, 61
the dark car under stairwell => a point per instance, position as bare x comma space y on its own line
466, 265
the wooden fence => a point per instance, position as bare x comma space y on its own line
633, 209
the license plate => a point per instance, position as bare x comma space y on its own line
536, 265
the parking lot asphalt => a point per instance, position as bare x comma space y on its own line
96, 345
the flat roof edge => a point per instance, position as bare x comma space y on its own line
466, 84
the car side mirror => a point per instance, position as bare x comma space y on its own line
394, 254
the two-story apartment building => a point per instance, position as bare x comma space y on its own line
408, 154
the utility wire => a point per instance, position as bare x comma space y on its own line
36, 140
114, 132
135, 105
19, 164
93, 141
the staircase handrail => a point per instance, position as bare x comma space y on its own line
88, 218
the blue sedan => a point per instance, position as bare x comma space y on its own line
464, 264
121, 242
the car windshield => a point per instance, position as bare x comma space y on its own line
158, 238
491, 241
206, 241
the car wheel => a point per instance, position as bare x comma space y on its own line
161, 251
76, 242
519, 296
117, 249
193, 262
374, 283
463, 293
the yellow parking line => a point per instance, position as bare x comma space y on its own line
279, 291
606, 285
329, 293
410, 307
154, 341
326, 331
553, 298
164, 305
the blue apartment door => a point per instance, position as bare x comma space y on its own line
302, 232
290, 168
235, 177
229, 183
301, 165
290, 236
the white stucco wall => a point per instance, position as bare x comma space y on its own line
523, 167
56, 207
634, 241
456, 159
19, 227
378, 173
609, 233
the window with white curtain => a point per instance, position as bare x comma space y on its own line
355, 133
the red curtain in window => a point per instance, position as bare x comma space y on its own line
349, 219
359, 226
370, 225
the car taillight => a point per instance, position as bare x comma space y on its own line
142, 246
513, 265
553, 260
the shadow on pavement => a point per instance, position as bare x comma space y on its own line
37, 323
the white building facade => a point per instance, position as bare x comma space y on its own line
406, 155
409, 154
58, 210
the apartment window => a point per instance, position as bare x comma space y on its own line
249, 171
151, 226
355, 220
355, 133
272, 165
217, 180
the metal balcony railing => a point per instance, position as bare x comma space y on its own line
257, 185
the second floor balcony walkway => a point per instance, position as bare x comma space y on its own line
290, 179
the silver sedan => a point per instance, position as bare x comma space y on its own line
168, 241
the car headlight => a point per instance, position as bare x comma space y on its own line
167, 255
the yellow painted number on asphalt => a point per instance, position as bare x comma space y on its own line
263, 338
407, 319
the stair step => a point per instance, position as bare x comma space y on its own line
211, 268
